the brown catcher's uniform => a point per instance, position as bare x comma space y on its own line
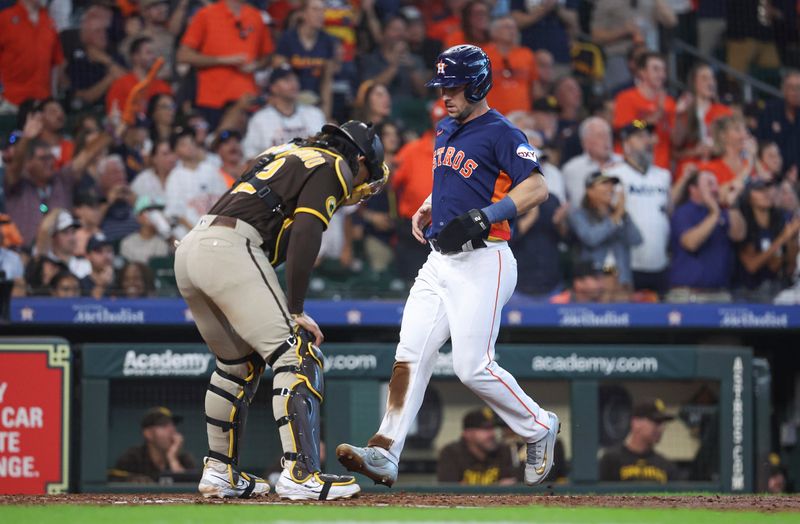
224, 270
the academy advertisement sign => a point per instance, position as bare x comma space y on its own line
34, 417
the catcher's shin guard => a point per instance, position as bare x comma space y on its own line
297, 396
230, 391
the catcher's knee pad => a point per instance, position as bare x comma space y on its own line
298, 393
230, 392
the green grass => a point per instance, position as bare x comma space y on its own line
251, 514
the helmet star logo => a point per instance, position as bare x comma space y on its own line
440, 68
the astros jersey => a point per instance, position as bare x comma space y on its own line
475, 164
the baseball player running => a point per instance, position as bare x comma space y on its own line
224, 268
484, 174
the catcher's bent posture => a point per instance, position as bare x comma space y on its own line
224, 268
484, 173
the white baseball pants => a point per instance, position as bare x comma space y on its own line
460, 297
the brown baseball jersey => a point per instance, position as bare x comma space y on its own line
307, 179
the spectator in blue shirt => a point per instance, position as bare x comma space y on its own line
310, 51
536, 248
780, 121
702, 241
604, 230
548, 24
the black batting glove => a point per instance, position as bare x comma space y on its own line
463, 229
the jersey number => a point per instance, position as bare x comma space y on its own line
309, 157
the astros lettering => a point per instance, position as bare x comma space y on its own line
454, 160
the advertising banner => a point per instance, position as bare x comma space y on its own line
34, 417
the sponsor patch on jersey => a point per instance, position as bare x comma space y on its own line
526, 151
330, 205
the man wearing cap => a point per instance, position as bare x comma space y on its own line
545, 115
63, 244
160, 453
151, 239
101, 257
283, 118
477, 458
647, 201
589, 284
636, 459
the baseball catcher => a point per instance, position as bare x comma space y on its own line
274, 214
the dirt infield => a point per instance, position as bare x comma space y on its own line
770, 503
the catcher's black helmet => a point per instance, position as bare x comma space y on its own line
368, 143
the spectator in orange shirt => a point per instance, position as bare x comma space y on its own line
735, 150
143, 56
29, 50
475, 20
413, 182
649, 101
448, 22
696, 110
226, 42
513, 68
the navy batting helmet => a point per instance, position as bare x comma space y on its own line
464, 65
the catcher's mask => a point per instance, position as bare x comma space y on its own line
369, 145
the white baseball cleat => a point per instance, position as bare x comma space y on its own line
221, 481
318, 486
541, 454
369, 462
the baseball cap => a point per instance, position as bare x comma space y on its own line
633, 128
652, 409
65, 221
97, 242
546, 104
145, 202
483, 418
88, 197
159, 416
599, 176
225, 135
281, 71
585, 268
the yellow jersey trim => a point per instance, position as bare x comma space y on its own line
314, 212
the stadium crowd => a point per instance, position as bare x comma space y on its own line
127, 119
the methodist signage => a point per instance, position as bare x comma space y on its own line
35, 386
